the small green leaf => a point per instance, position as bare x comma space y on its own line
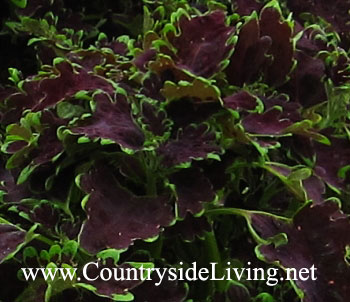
55, 250
15, 75
44, 255
126, 297
25, 173
66, 110
300, 174
109, 253
83, 140
20, 132
343, 171
20, 3
264, 297
29, 252
70, 248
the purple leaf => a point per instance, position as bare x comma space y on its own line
290, 109
314, 188
189, 228
48, 144
192, 189
47, 92
264, 46
10, 238
154, 120
249, 55
191, 143
46, 215
88, 59
241, 100
16, 146
66, 84
269, 123
202, 43
281, 48
110, 287
13, 192
305, 85
142, 60
116, 218
117, 47
328, 170
318, 235
112, 120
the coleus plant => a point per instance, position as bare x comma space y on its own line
164, 132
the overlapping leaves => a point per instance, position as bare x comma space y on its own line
133, 127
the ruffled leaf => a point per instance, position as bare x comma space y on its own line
112, 120
11, 238
269, 123
318, 235
192, 189
115, 217
191, 143
110, 288
202, 43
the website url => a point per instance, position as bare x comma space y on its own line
272, 276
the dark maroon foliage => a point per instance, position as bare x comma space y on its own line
166, 134
120, 221
201, 51
112, 120
317, 235
10, 238
192, 188
191, 143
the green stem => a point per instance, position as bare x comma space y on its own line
212, 247
246, 215
151, 189
151, 179
214, 256
44, 239
151, 184
226, 211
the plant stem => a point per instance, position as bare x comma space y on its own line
227, 211
151, 184
151, 189
213, 255
44, 239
